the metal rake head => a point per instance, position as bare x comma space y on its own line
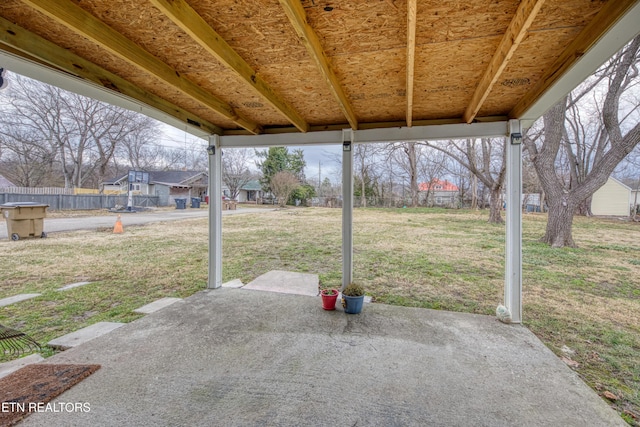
15, 343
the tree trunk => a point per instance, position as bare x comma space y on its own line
584, 208
412, 157
495, 216
474, 192
597, 152
559, 225
363, 187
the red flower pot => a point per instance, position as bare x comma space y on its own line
329, 297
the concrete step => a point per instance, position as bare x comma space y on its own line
156, 305
83, 335
17, 298
72, 285
9, 367
288, 282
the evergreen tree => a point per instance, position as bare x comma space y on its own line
278, 159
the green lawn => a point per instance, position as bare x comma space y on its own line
583, 303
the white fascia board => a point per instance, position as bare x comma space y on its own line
89, 89
281, 139
432, 132
399, 134
608, 45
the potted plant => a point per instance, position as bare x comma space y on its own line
329, 297
353, 298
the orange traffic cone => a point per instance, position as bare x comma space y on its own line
118, 227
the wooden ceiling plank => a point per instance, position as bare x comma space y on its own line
298, 18
606, 18
515, 34
193, 24
412, 8
35, 48
87, 25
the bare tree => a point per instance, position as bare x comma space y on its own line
530, 181
27, 165
364, 161
588, 153
196, 159
78, 135
431, 167
173, 158
466, 182
487, 160
31, 148
192, 158
235, 169
406, 155
119, 127
139, 148
283, 184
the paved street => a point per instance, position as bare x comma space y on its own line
52, 225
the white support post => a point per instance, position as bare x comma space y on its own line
513, 250
215, 212
347, 208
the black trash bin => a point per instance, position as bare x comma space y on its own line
195, 202
181, 203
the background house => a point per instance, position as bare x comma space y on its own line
250, 192
612, 199
440, 193
167, 185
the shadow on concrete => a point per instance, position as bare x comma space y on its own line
240, 357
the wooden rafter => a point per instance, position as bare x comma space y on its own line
193, 24
19, 41
87, 25
516, 32
298, 18
610, 13
412, 9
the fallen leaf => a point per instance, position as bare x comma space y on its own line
570, 362
610, 395
567, 350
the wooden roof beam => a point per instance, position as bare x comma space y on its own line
516, 32
86, 25
412, 9
298, 18
193, 24
34, 48
606, 18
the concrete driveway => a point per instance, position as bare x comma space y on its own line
52, 225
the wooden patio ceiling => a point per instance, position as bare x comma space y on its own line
278, 66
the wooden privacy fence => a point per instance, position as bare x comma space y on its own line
79, 201
37, 190
48, 190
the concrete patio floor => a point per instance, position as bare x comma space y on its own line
240, 357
